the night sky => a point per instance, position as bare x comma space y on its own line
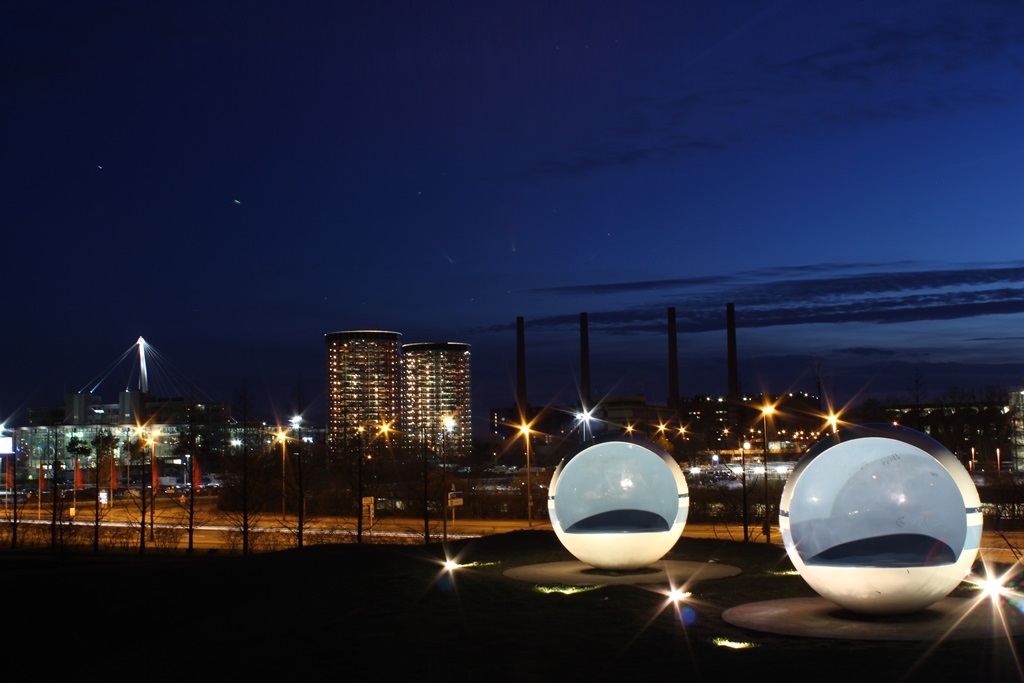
232, 181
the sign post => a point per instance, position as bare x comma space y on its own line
454, 500
368, 512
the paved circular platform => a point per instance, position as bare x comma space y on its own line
951, 618
576, 573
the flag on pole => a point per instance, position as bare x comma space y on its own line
197, 473
79, 484
10, 480
154, 473
113, 476
42, 479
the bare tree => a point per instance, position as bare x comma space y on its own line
244, 493
105, 444
136, 451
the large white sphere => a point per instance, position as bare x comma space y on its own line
618, 504
881, 519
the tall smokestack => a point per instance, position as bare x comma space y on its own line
584, 362
521, 402
734, 371
673, 361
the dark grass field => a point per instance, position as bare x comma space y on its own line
389, 612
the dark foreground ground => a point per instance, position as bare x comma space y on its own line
352, 612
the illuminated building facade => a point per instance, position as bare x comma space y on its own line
113, 443
364, 384
437, 386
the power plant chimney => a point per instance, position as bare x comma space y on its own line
734, 371
521, 402
584, 363
673, 361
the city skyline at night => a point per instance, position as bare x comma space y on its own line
233, 186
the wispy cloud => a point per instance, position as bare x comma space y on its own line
924, 58
827, 293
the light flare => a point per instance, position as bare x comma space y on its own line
733, 644
567, 590
995, 591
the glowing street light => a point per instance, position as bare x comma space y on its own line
359, 481
152, 485
744, 447
524, 429
583, 418
661, 430
282, 437
767, 410
448, 424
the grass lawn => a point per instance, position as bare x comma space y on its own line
349, 612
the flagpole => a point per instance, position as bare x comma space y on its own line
14, 527
74, 492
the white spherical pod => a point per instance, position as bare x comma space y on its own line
881, 519
619, 503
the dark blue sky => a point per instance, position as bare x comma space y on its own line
232, 181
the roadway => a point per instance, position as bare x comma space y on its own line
214, 530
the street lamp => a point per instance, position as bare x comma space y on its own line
385, 431
448, 423
584, 417
282, 437
191, 479
359, 481
524, 429
426, 488
153, 480
765, 412
744, 447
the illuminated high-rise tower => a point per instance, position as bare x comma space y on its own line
438, 412
364, 384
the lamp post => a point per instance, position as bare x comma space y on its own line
296, 426
190, 477
765, 412
282, 437
447, 424
524, 429
14, 526
426, 489
153, 479
385, 430
359, 481
583, 417
744, 447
